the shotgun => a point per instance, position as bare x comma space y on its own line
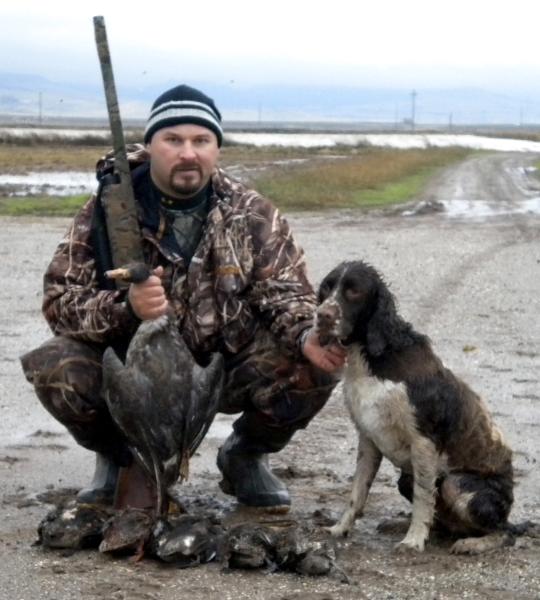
118, 199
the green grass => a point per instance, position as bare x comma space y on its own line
396, 192
372, 178
42, 206
393, 193
329, 178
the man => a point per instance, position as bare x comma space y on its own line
226, 262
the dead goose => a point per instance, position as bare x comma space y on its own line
161, 399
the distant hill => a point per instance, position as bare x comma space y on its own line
33, 98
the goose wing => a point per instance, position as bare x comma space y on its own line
126, 392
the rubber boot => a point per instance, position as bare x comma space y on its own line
101, 489
243, 462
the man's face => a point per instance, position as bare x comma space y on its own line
182, 159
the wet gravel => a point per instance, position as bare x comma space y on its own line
471, 284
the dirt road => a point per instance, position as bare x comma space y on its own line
471, 283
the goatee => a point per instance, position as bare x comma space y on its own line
186, 188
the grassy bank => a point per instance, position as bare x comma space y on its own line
46, 206
294, 178
23, 158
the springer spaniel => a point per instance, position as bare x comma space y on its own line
455, 465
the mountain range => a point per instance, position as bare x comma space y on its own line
32, 98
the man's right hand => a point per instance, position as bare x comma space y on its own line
147, 299
329, 358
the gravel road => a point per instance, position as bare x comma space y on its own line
471, 282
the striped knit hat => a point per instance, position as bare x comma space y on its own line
183, 104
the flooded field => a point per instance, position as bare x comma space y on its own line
458, 195
304, 140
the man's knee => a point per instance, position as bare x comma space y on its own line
66, 375
297, 404
57, 354
287, 389
67, 378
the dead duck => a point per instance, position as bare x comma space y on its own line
127, 532
73, 525
292, 549
249, 546
161, 398
186, 540
319, 559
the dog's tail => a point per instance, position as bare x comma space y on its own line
525, 528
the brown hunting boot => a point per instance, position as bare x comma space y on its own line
135, 489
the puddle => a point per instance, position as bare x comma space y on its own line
482, 209
523, 199
50, 183
398, 140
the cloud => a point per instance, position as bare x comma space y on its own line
283, 41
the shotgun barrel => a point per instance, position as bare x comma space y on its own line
118, 199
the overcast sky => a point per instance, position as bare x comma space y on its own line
422, 43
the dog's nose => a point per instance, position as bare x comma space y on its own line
326, 314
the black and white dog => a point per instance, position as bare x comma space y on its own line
455, 465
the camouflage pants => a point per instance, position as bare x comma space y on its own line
277, 392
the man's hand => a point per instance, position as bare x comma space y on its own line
328, 358
147, 299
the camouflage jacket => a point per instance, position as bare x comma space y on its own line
247, 272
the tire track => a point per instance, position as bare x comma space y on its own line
502, 182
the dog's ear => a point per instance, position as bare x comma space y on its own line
385, 327
322, 292
329, 282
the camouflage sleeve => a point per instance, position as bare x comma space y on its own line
281, 290
73, 304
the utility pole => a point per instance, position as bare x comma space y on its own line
413, 108
40, 108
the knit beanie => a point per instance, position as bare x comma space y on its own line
183, 104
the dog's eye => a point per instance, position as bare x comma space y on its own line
354, 294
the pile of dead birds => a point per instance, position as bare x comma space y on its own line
187, 540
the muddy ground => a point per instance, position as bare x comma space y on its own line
471, 283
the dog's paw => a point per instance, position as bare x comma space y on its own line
345, 524
338, 530
410, 546
479, 545
465, 546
